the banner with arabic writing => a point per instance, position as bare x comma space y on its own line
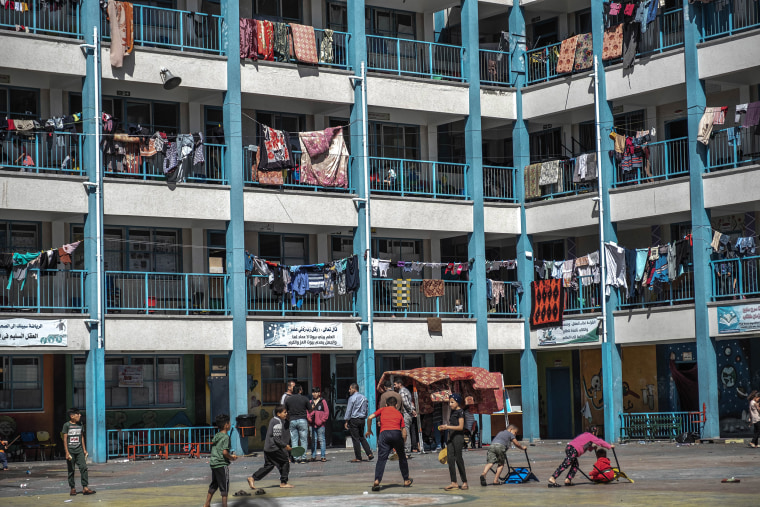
303, 334
572, 331
33, 333
738, 319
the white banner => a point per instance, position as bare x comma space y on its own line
303, 334
572, 331
33, 333
131, 375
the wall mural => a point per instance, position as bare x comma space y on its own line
733, 386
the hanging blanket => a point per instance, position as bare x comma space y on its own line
274, 178
280, 45
584, 52
567, 55
613, 43
275, 149
304, 43
316, 143
248, 40
531, 177
548, 304
549, 173
327, 168
432, 288
265, 40
120, 16
326, 47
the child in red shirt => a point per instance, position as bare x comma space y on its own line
602, 471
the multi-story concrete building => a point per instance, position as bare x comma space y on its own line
461, 98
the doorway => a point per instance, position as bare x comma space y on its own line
559, 413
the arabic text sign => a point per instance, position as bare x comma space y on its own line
131, 376
33, 333
303, 334
572, 331
738, 319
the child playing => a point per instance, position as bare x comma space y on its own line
497, 453
220, 461
602, 471
276, 448
3, 458
575, 449
76, 452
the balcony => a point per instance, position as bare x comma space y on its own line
566, 187
721, 20
389, 299
508, 306
292, 181
212, 171
677, 292
43, 153
157, 27
735, 278
166, 293
494, 68
728, 150
667, 159
499, 184
45, 291
47, 18
586, 298
418, 178
405, 57
262, 301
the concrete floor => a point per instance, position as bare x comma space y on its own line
664, 474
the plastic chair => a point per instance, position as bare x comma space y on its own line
29, 442
45, 442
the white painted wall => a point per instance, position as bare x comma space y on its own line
557, 96
655, 325
561, 214
649, 74
660, 198
497, 104
502, 219
156, 334
155, 199
421, 214
78, 337
732, 186
730, 54
506, 336
287, 80
417, 95
351, 337
19, 191
412, 335
306, 208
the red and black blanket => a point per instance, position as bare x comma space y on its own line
548, 303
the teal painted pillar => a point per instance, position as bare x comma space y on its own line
95, 399
439, 23
473, 141
612, 368
521, 158
233, 164
357, 54
700, 226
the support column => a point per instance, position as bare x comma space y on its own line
700, 226
357, 54
95, 399
473, 140
612, 368
521, 157
233, 162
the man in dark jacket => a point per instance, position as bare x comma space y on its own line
298, 405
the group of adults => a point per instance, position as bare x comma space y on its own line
306, 415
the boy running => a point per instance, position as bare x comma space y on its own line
497, 453
276, 448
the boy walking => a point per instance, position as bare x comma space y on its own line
76, 452
220, 461
276, 448
497, 453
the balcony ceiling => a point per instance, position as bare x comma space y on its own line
425, 6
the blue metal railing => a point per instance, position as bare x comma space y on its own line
387, 300
727, 150
663, 34
173, 29
735, 278
43, 153
677, 292
178, 440
586, 298
49, 290
494, 68
721, 20
542, 63
211, 171
262, 301
47, 18
508, 306
565, 186
667, 159
415, 58
339, 48
292, 181
658, 425
176, 293
499, 183
418, 178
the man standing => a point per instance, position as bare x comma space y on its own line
392, 432
297, 406
291, 385
407, 410
356, 414
389, 393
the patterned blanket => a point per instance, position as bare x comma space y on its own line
548, 303
304, 43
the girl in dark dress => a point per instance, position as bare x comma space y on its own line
455, 443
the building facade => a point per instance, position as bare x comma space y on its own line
446, 108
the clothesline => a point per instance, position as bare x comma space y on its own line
18, 264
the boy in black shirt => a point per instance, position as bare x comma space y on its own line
76, 452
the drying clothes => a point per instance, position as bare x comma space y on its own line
741, 111
614, 257
745, 245
531, 178
433, 288
593, 261
584, 52
706, 125
568, 267
248, 40
24, 126
400, 293
329, 168
752, 117
630, 269
629, 8
265, 39
659, 272
380, 268
185, 145
548, 304
316, 281
719, 116
326, 47
683, 252
280, 46
20, 265
497, 291
619, 142
557, 269
304, 43
316, 143
352, 274
171, 159
275, 150
672, 262
613, 43
198, 151
582, 163
715, 244
549, 173
642, 254
120, 16
631, 34
64, 252
567, 55
651, 15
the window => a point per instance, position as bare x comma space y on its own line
19, 103
401, 362
391, 140
399, 250
287, 249
378, 21
151, 115
337, 16
20, 383
136, 381
19, 237
342, 122
546, 145
544, 33
587, 135
451, 143
277, 371
217, 252
551, 250
342, 247
583, 21
345, 375
279, 10
284, 121
135, 249
214, 125
629, 123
